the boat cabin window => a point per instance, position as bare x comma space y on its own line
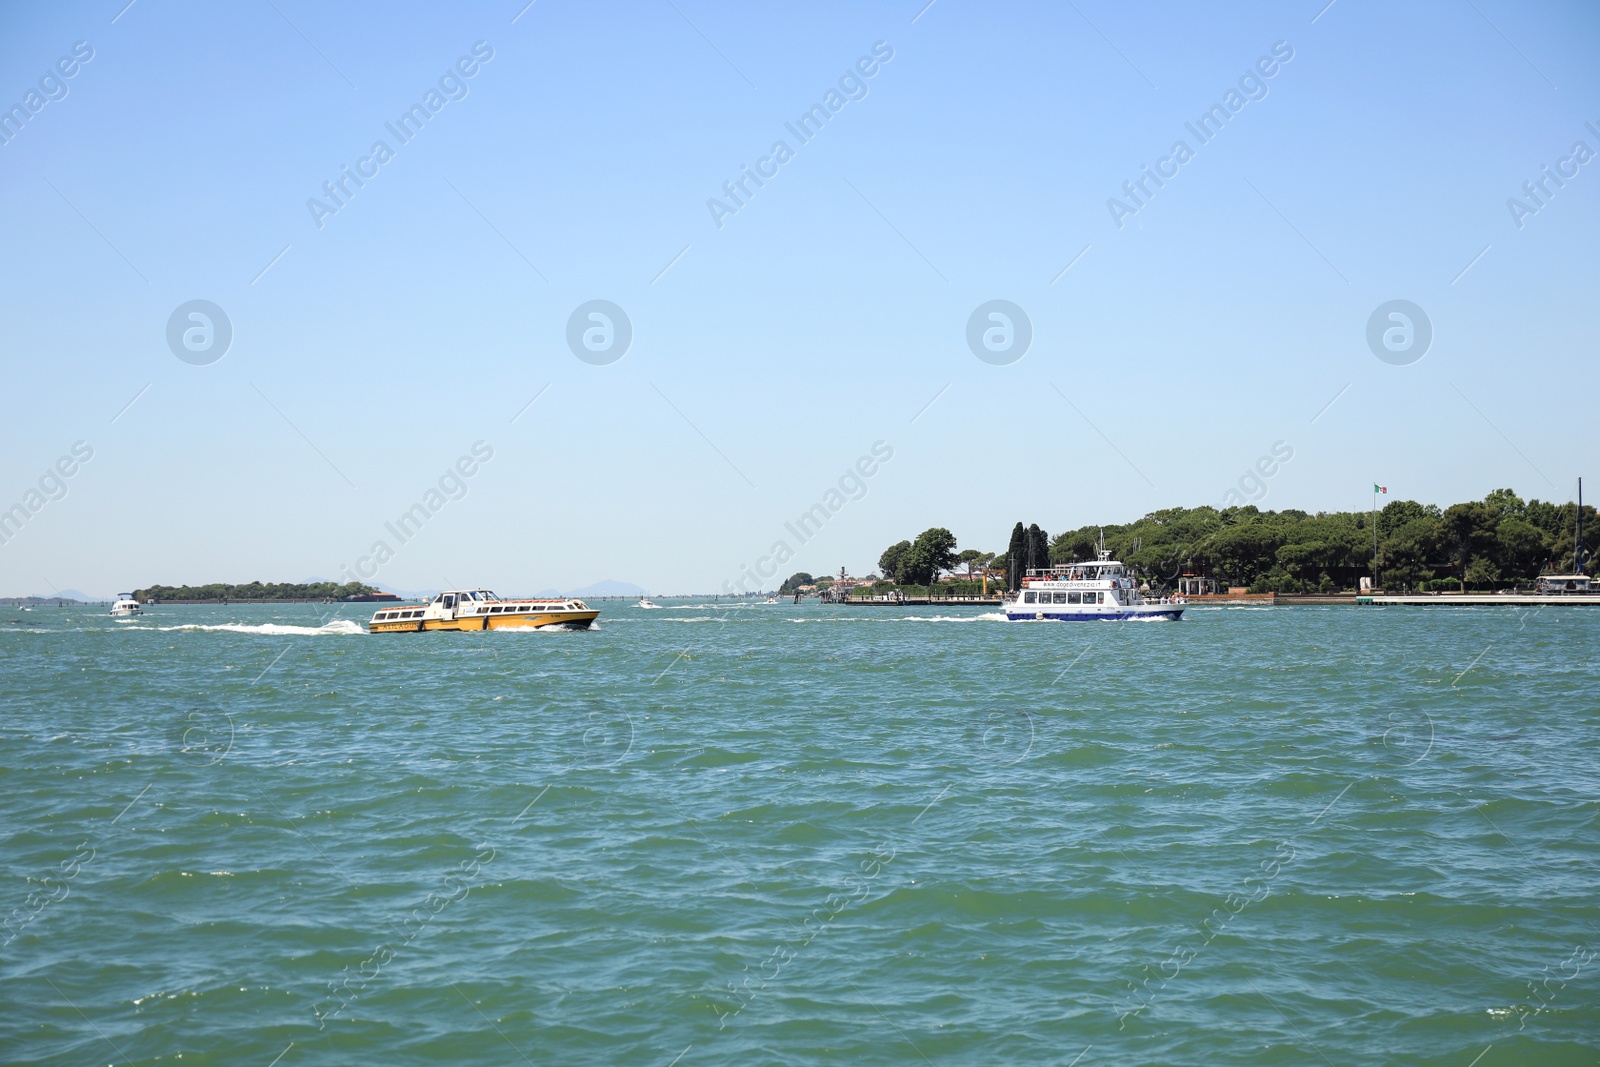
1029, 598
449, 600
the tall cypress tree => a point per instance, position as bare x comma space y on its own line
1037, 548
1016, 558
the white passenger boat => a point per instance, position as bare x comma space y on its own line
126, 607
646, 602
480, 609
1098, 589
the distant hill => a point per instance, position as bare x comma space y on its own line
70, 596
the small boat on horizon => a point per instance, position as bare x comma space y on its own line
125, 607
646, 602
481, 609
1088, 591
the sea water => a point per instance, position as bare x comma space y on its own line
748, 833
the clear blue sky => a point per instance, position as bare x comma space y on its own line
823, 316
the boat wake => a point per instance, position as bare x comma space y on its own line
337, 628
988, 616
553, 628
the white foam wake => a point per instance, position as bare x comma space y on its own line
988, 616
548, 628
339, 627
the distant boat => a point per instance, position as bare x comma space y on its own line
772, 600
126, 607
479, 609
1099, 589
646, 602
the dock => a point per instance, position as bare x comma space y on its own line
1481, 600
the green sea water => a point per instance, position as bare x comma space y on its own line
779, 834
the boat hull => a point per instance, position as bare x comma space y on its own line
1169, 612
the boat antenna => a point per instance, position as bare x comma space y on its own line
1577, 549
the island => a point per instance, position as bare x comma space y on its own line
261, 593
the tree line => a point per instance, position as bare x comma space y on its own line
256, 591
1493, 543
1498, 542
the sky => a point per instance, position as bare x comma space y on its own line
820, 343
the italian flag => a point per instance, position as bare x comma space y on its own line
1384, 489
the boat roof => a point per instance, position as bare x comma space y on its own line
1082, 564
490, 594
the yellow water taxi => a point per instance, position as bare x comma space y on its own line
480, 609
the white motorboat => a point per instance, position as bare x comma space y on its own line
1088, 591
126, 607
646, 602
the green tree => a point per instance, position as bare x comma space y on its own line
1240, 555
1406, 556
1504, 502
1466, 531
893, 558
1038, 548
933, 551
1016, 558
1520, 546
792, 584
975, 560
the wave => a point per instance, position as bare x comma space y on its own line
338, 627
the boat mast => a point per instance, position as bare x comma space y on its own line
1577, 547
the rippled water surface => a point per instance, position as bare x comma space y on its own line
796, 835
